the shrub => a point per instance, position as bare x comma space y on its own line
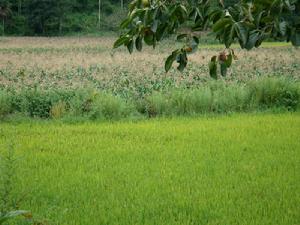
231, 98
37, 103
81, 102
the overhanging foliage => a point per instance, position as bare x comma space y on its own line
247, 22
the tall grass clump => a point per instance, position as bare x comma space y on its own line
222, 97
190, 101
212, 98
275, 92
199, 101
179, 102
230, 98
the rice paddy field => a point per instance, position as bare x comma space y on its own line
238, 169
151, 147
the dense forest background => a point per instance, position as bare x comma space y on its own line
61, 17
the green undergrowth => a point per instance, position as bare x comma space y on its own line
210, 97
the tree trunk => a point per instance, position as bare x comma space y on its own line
122, 4
3, 27
20, 7
60, 26
99, 14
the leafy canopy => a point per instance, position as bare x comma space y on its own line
248, 22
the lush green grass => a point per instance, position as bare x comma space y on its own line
238, 169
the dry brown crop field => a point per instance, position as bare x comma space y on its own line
73, 62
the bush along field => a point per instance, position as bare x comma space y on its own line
211, 97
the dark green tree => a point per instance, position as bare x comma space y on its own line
5, 12
46, 17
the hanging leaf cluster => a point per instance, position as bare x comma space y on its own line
248, 22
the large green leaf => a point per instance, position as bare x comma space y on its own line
161, 31
125, 23
182, 60
223, 68
139, 43
295, 39
149, 38
242, 33
171, 59
213, 67
252, 40
229, 35
121, 41
220, 25
130, 45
